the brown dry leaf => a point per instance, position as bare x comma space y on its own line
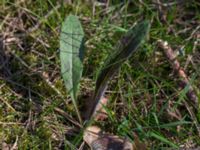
97, 140
5, 146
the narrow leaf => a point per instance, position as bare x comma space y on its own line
163, 139
71, 56
127, 45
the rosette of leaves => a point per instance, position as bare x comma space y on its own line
71, 56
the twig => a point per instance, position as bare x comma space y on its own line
179, 70
181, 73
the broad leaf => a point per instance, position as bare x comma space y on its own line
127, 45
71, 55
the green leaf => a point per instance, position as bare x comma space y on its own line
163, 139
127, 45
71, 56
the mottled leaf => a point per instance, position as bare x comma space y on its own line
127, 45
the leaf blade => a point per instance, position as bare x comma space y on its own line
163, 139
71, 56
128, 45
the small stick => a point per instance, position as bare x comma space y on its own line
180, 71
185, 81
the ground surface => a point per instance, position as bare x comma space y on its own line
145, 99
